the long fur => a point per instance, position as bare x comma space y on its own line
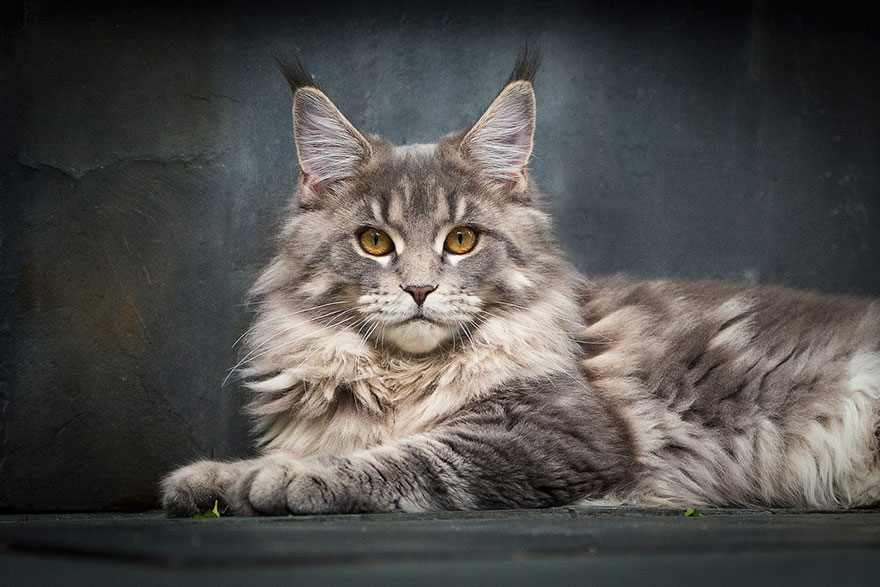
516, 382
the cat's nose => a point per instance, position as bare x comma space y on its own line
418, 292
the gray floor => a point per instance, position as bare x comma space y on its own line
602, 546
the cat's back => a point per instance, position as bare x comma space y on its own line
689, 315
772, 387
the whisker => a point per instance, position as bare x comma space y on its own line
275, 300
470, 338
251, 357
476, 327
294, 327
357, 361
312, 350
382, 334
276, 318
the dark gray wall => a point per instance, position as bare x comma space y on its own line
147, 153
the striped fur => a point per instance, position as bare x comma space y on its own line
517, 383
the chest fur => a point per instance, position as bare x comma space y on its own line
344, 396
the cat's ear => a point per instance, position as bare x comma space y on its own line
330, 149
500, 143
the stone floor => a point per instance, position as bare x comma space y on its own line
561, 546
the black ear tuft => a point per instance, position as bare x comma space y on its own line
296, 74
527, 63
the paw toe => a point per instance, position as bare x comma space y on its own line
194, 488
268, 492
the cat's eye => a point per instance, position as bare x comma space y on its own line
376, 242
460, 240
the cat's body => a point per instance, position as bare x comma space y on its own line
741, 395
396, 369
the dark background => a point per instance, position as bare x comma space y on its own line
147, 153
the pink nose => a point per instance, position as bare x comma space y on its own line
418, 292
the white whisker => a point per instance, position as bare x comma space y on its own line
251, 357
469, 337
357, 361
293, 327
276, 318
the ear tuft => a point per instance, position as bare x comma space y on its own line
295, 73
527, 63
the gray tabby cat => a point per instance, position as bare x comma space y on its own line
422, 344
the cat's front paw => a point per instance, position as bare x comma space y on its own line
276, 486
194, 488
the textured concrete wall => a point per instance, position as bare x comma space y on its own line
147, 152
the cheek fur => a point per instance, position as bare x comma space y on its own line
358, 267
480, 270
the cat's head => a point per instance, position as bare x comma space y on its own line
414, 246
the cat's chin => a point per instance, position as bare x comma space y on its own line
417, 337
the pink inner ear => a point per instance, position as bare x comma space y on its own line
312, 184
520, 139
517, 181
519, 156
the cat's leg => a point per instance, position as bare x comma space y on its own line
500, 457
420, 474
194, 488
280, 484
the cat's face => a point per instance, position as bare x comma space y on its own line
427, 251
415, 246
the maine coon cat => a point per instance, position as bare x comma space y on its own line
422, 344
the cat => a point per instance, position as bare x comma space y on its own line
422, 344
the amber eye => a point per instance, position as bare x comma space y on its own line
376, 242
461, 240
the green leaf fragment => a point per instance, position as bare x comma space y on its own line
691, 512
214, 513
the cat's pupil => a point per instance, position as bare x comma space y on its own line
460, 236
375, 239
